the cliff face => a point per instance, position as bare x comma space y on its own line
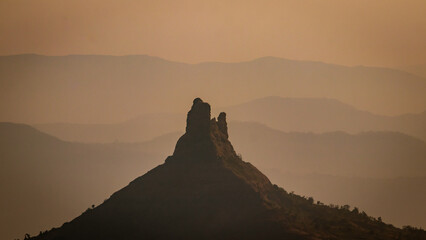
205, 191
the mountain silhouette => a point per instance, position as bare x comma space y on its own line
205, 191
323, 166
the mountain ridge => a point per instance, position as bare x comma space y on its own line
316, 115
404, 69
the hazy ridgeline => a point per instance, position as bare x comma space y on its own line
342, 134
107, 89
315, 115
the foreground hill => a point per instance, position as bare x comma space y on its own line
69, 169
204, 190
105, 89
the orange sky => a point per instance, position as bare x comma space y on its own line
350, 32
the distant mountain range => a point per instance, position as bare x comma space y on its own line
79, 175
369, 154
324, 115
286, 114
138, 129
106, 89
419, 70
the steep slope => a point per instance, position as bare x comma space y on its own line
45, 181
340, 168
106, 89
388, 198
205, 191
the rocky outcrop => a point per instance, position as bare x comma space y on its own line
222, 125
205, 139
198, 120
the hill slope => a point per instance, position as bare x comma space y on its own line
204, 190
45, 181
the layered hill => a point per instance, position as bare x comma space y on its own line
368, 154
205, 191
321, 115
317, 115
141, 128
419, 70
106, 89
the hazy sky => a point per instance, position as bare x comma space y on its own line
350, 32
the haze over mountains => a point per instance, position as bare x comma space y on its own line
419, 70
138, 129
324, 115
372, 154
106, 89
286, 114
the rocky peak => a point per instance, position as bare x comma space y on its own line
205, 138
198, 119
222, 125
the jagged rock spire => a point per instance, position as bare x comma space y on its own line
204, 138
221, 123
198, 120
